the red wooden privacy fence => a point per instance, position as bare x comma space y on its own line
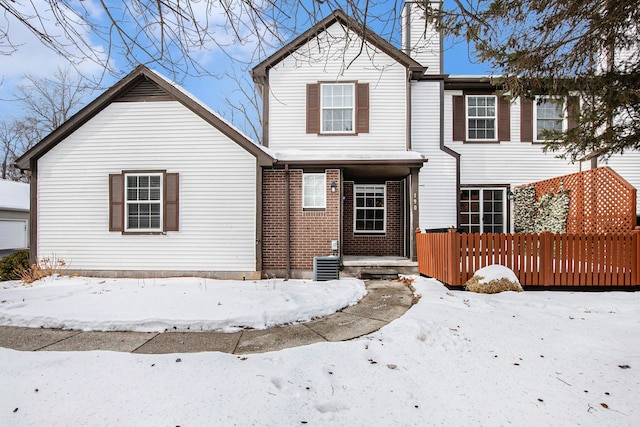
537, 259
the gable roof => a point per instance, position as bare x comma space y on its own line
260, 71
142, 84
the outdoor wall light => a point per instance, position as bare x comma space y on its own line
511, 195
333, 187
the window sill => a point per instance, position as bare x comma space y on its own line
144, 233
369, 233
314, 209
481, 141
338, 134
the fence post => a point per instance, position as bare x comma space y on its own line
635, 256
452, 258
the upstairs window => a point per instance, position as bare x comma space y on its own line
549, 116
481, 118
314, 191
337, 109
369, 209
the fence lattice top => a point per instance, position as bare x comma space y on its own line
601, 200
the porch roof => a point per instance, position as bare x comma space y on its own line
348, 158
357, 165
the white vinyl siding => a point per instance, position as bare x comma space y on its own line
324, 60
314, 191
437, 179
482, 118
337, 110
217, 192
424, 41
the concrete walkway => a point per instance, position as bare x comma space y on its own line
385, 301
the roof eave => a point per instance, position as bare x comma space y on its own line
106, 98
260, 71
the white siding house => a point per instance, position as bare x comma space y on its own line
337, 55
472, 168
146, 127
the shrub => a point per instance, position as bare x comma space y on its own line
492, 280
10, 264
46, 267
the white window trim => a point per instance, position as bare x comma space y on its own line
353, 108
324, 186
466, 117
128, 202
565, 118
505, 201
355, 209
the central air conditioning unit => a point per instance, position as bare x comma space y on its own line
326, 268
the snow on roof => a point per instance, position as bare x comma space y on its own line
14, 195
300, 155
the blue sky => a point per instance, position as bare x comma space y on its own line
33, 58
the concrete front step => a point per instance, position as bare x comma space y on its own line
378, 267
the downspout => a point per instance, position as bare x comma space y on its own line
288, 222
450, 152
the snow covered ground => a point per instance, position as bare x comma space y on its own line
455, 358
175, 304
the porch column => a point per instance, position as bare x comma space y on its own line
414, 212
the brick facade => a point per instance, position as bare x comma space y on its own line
389, 244
311, 231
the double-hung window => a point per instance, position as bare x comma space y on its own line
481, 117
314, 191
337, 107
143, 203
549, 117
369, 209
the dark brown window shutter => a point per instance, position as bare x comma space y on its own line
504, 119
313, 108
459, 119
171, 202
573, 111
362, 108
116, 202
526, 120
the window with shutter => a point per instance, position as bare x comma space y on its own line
144, 202
337, 108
